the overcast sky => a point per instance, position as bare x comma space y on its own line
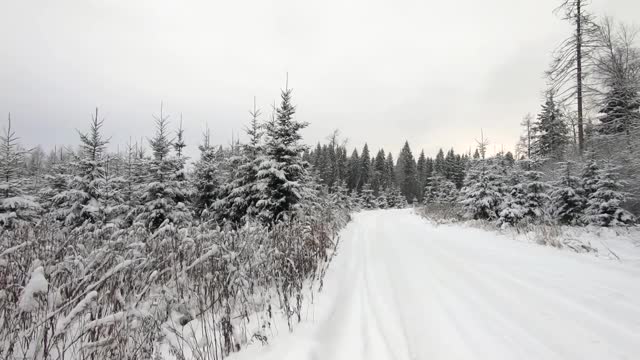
431, 72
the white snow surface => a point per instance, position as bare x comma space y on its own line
402, 288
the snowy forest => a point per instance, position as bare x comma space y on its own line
107, 255
146, 253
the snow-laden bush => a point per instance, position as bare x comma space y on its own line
108, 293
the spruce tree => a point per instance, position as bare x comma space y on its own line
83, 201
551, 132
353, 176
206, 178
440, 191
163, 197
536, 193
483, 192
421, 169
390, 178
379, 166
367, 198
15, 206
241, 193
406, 173
604, 206
342, 164
526, 195
365, 167
567, 198
589, 177
439, 163
513, 209
282, 174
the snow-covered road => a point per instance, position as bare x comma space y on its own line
401, 288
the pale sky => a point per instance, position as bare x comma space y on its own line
381, 71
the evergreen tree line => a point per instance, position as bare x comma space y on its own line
381, 182
572, 166
510, 192
265, 179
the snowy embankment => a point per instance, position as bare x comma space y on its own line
402, 288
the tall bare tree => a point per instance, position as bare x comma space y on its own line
570, 66
524, 143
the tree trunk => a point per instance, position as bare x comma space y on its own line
579, 74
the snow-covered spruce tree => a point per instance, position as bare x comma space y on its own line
604, 205
421, 169
513, 209
483, 191
206, 178
56, 181
551, 132
382, 202
589, 177
114, 200
536, 199
353, 170
240, 195
15, 206
367, 198
120, 188
365, 167
396, 199
282, 173
440, 191
527, 199
406, 173
83, 201
339, 196
164, 194
377, 180
389, 180
567, 197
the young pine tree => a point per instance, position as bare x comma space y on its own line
604, 204
83, 201
353, 171
282, 174
206, 180
440, 191
483, 192
365, 168
551, 132
164, 194
241, 193
567, 197
406, 173
15, 206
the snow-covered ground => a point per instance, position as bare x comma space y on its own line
402, 288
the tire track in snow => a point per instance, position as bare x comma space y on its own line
403, 289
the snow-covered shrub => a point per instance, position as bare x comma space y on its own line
567, 197
483, 192
527, 198
605, 199
136, 293
440, 191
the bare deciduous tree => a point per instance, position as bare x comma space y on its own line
569, 67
